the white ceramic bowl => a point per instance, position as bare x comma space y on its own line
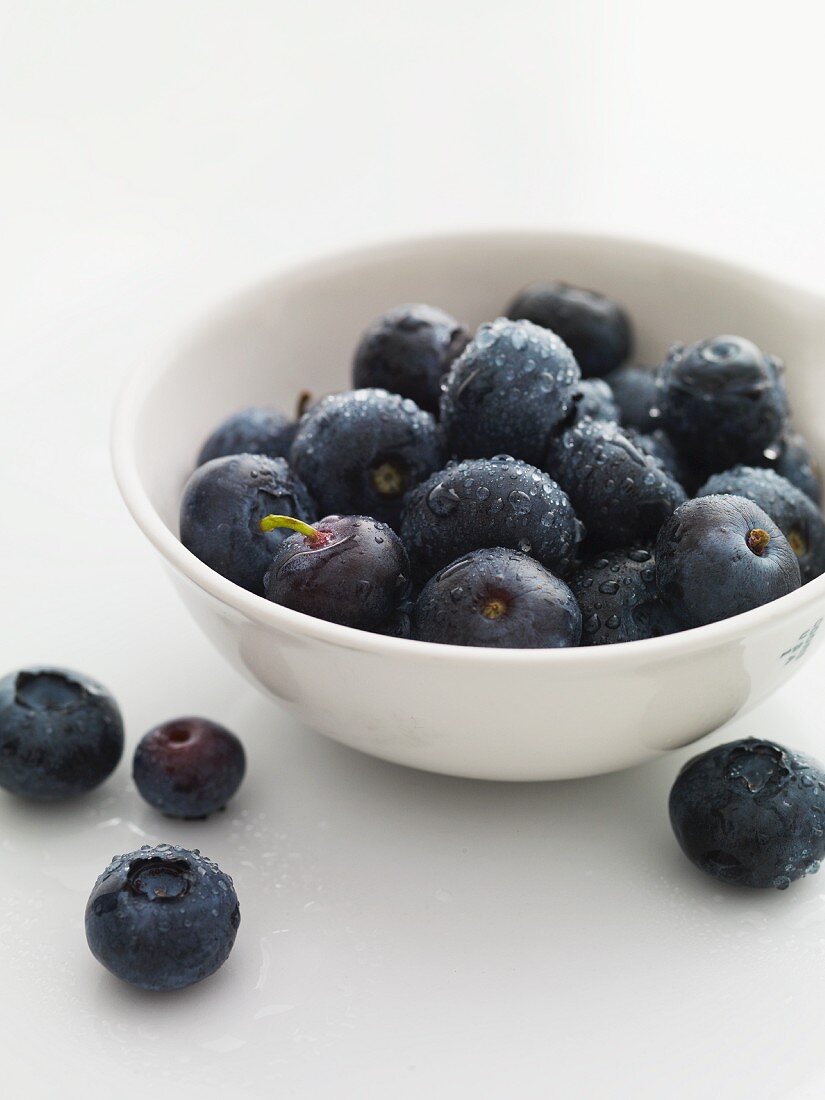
496, 714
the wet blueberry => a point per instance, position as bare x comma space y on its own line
752, 813
595, 328
360, 452
722, 402
188, 767
408, 350
351, 570
61, 733
621, 493
795, 461
485, 503
634, 391
719, 556
255, 431
659, 446
223, 504
162, 918
497, 597
509, 392
794, 513
616, 592
594, 399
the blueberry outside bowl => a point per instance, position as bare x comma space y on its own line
495, 714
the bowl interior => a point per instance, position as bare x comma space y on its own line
298, 331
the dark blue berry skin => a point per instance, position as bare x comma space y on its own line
355, 572
408, 350
796, 461
705, 568
497, 597
188, 767
751, 813
509, 392
659, 446
484, 503
360, 452
61, 733
254, 431
616, 592
634, 391
596, 329
794, 513
621, 494
594, 399
162, 918
722, 402
223, 504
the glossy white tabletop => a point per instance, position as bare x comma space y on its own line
402, 934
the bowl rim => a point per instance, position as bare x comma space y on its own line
142, 379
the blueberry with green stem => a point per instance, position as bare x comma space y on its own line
351, 570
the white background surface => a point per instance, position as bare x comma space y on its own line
402, 934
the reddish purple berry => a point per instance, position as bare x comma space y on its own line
189, 767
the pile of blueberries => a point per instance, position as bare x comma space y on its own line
526, 488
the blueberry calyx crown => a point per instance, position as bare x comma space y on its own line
389, 479
160, 879
758, 541
494, 607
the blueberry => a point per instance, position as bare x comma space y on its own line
360, 452
408, 350
509, 391
594, 398
162, 917
616, 592
189, 767
484, 503
256, 431
399, 625
718, 556
659, 446
794, 513
223, 504
634, 391
751, 812
497, 597
351, 570
595, 328
61, 733
722, 402
795, 461
621, 494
